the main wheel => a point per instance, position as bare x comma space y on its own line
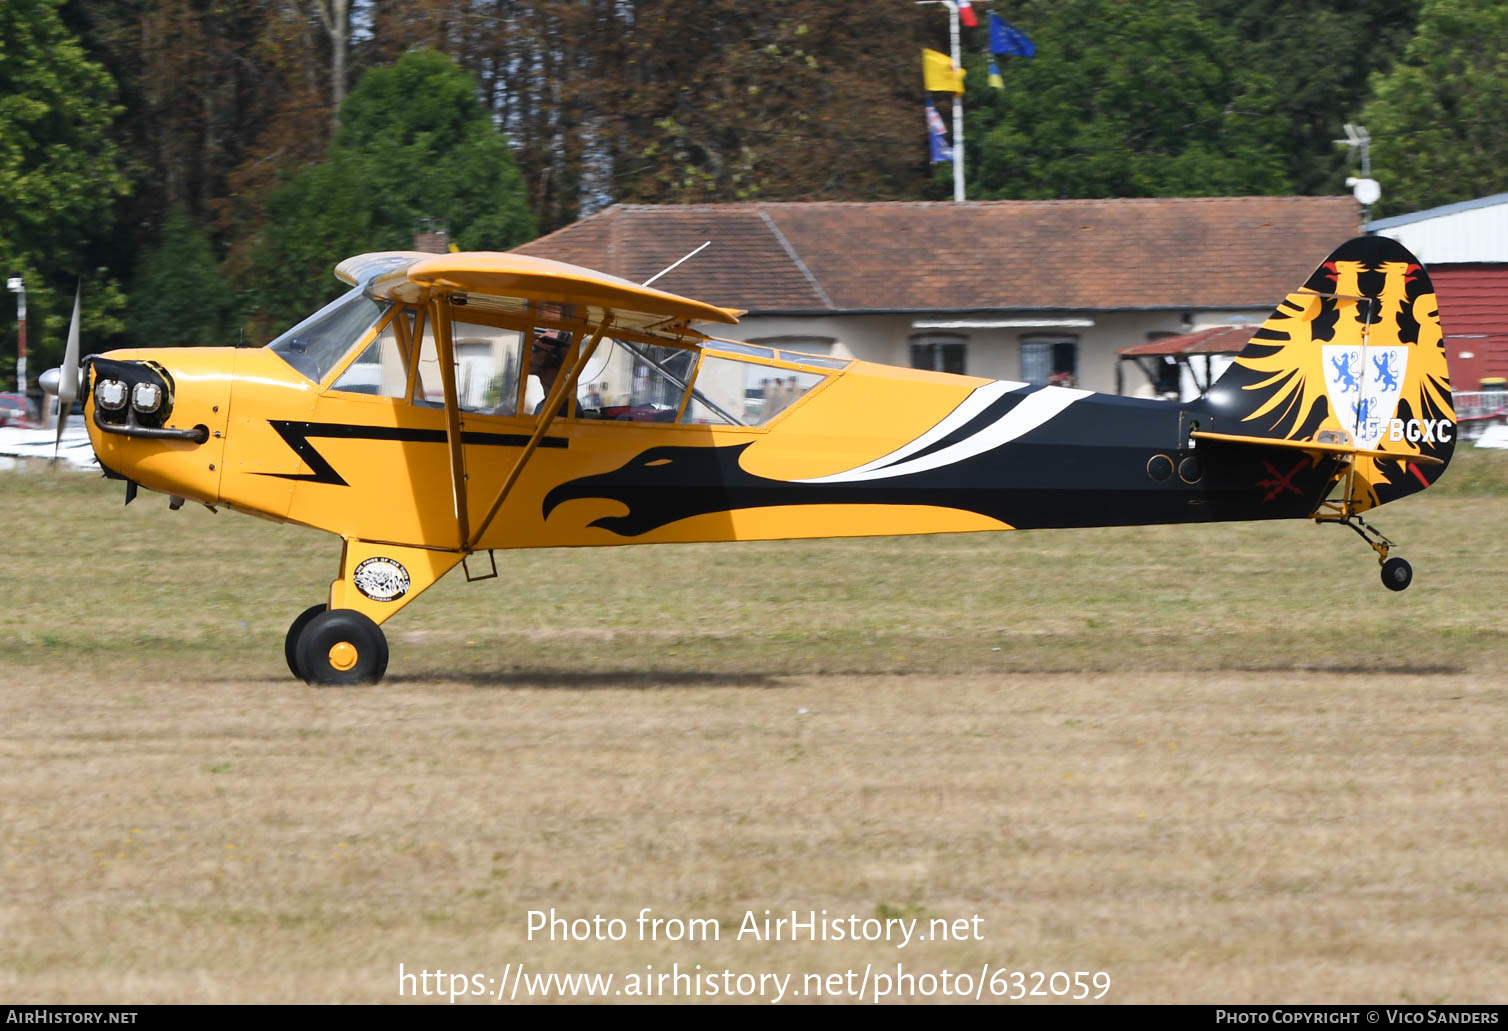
290, 643
342, 646
1397, 574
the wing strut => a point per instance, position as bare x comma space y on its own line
564, 385
453, 441
405, 338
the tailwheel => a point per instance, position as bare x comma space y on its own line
341, 646
1396, 572
290, 643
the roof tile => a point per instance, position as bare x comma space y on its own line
1215, 252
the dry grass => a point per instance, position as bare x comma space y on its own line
1221, 763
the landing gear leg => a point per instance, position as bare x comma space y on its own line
342, 643
1397, 574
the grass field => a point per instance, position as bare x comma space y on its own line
1217, 763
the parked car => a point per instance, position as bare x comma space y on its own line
13, 410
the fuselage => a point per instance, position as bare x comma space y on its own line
869, 450
352, 423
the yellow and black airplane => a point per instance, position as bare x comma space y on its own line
458, 403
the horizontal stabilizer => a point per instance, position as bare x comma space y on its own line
1316, 447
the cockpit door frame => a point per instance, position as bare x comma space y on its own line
564, 387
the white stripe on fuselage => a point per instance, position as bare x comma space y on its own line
978, 400
1033, 410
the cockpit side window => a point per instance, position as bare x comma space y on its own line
742, 393
634, 382
488, 361
316, 345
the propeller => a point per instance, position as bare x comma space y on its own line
64, 381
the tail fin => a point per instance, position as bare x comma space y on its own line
1353, 357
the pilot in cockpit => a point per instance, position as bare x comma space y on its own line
545, 360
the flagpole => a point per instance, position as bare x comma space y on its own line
957, 108
952, 7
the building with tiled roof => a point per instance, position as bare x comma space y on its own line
1005, 289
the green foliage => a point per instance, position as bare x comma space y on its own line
1322, 52
725, 101
314, 220
1125, 99
661, 101
58, 173
1436, 118
178, 296
414, 143
57, 165
426, 148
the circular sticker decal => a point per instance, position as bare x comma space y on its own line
381, 579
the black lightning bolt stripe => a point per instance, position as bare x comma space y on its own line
296, 435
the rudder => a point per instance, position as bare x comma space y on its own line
1356, 356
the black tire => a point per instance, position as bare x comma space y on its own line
1397, 574
290, 643
359, 641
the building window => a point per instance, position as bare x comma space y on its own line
1169, 373
1050, 359
940, 352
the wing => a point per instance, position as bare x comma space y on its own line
410, 276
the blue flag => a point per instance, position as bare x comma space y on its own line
1005, 39
937, 135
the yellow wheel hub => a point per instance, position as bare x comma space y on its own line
343, 656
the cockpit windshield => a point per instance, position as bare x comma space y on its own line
316, 345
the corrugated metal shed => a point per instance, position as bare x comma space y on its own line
1473, 230
1215, 340
1215, 345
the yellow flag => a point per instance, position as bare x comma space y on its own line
938, 73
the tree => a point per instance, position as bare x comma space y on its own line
218, 98
1125, 98
799, 100
58, 171
178, 295
335, 19
686, 100
1323, 52
1435, 118
414, 143
428, 148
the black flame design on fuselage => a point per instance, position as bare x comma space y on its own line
1085, 467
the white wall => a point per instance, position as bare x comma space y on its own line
992, 353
